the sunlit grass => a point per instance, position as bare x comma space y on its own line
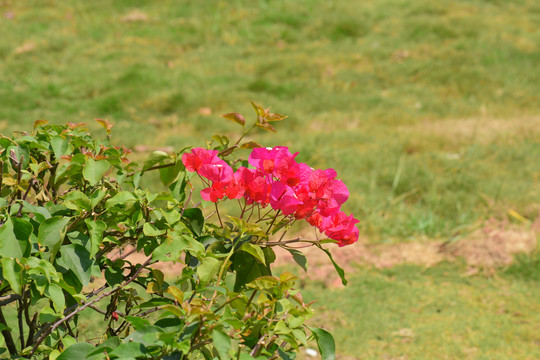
410, 312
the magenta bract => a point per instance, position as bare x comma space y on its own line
293, 188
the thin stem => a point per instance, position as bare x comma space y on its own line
244, 134
273, 221
290, 241
263, 217
243, 208
251, 214
20, 312
187, 200
32, 330
155, 167
225, 303
1, 175
219, 216
221, 271
25, 196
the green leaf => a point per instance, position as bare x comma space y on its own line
77, 351
168, 250
208, 268
60, 146
325, 342
114, 275
299, 258
269, 255
15, 238
78, 201
264, 283
130, 350
222, 343
151, 230
282, 328
13, 273
169, 174
94, 170
137, 322
178, 188
254, 250
247, 269
285, 355
97, 196
339, 270
195, 220
54, 292
47, 314
40, 266
155, 158
77, 259
121, 198
95, 230
51, 233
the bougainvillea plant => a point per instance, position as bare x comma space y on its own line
73, 212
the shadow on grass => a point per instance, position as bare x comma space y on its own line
525, 267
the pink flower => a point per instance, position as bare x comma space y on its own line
315, 219
306, 207
217, 172
282, 198
199, 157
319, 180
256, 185
335, 194
340, 227
236, 187
214, 193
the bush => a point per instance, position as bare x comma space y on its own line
72, 205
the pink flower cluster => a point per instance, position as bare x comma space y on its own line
291, 187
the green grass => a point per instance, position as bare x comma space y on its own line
428, 111
409, 312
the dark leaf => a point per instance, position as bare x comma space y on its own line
325, 342
339, 270
299, 257
195, 220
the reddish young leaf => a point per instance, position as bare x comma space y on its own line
40, 122
250, 145
275, 117
236, 117
106, 124
266, 126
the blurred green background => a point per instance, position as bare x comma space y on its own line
428, 110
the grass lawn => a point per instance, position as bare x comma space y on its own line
411, 312
430, 112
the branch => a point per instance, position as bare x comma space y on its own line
283, 242
8, 299
155, 167
88, 304
25, 195
10, 344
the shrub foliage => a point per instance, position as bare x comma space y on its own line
72, 210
